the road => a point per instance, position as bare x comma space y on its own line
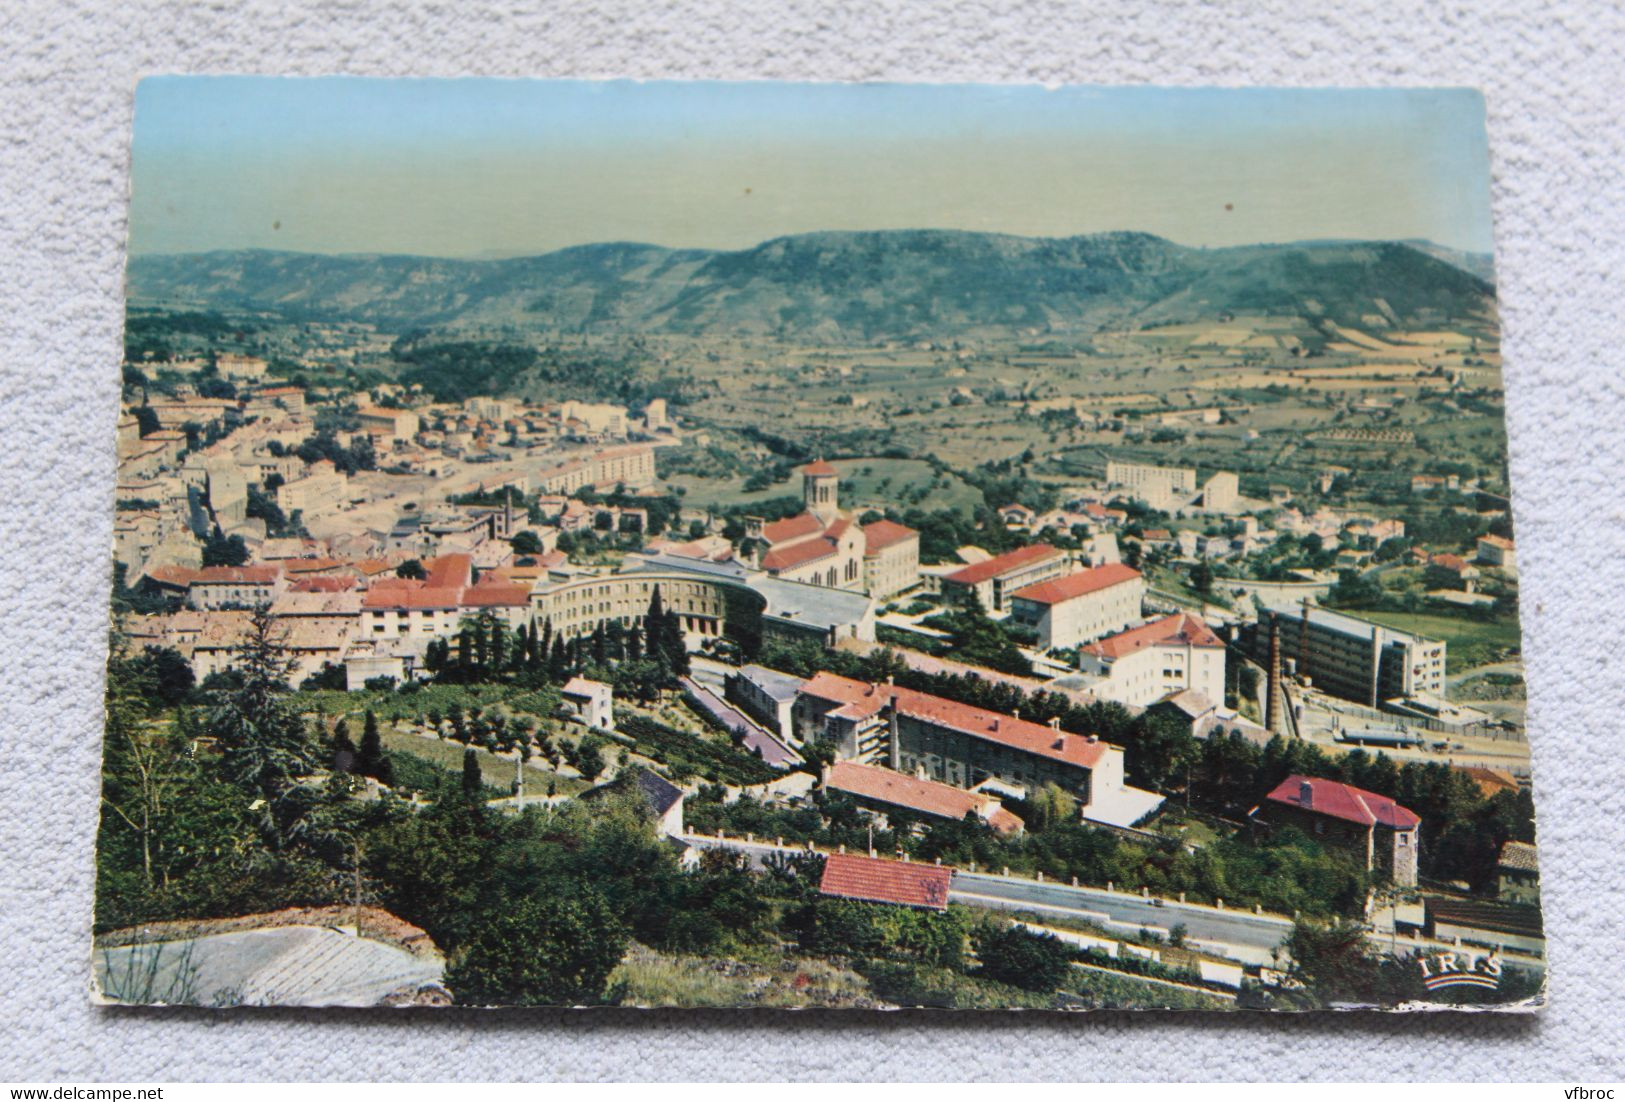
1240, 935
710, 673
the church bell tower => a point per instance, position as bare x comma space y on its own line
820, 491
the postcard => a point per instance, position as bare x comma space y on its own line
794, 545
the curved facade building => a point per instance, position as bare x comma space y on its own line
711, 598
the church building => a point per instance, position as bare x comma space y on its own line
825, 546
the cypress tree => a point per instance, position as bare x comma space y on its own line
344, 751
473, 782
371, 755
496, 652
654, 621
676, 648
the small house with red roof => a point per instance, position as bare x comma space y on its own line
1387, 836
878, 880
896, 794
1499, 552
1078, 607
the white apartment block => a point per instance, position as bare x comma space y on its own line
1140, 666
1164, 488
399, 425
1082, 606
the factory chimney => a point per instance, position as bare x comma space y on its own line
1272, 691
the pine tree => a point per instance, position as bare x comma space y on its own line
265, 742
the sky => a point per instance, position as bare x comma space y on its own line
476, 167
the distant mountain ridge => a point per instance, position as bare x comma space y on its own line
835, 286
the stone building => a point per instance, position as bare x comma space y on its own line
1378, 831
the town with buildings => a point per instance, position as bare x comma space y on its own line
1152, 661
885, 619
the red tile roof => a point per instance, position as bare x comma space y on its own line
449, 570
1343, 801
236, 575
496, 594
179, 576
798, 554
819, 469
1005, 821
864, 697
1180, 628
322, 583
1077, 585
977, 573
871, 782
1489, 781
412, 597
860, 699
885, 533
876, 880
313, 566
792, 528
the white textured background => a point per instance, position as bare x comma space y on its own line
1552, 75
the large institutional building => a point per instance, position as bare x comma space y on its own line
1174, 489
957, 744
990, 583
1079, 607
1349, 657
1144, 664
825, 546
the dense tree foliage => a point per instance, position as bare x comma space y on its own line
223, 550
1010, 954
543, 951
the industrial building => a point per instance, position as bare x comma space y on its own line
1348, 657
